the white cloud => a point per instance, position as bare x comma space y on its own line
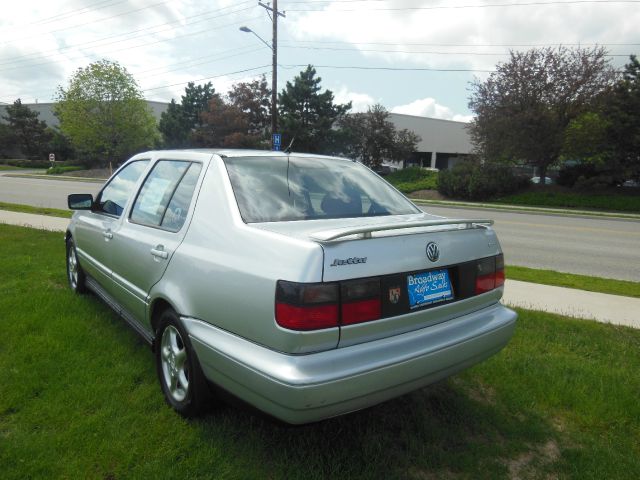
360, 101
472, 38
428, 107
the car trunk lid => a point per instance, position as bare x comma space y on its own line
393, 252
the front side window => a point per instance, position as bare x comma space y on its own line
272, 189
115, 194
165, 195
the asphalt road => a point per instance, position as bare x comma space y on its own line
42, 192
597, 247
608, 248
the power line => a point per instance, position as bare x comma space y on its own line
414, 51
80, 11
506, 45
394, 69
460, 7
199, 63
42, 55
91, 22
206, 78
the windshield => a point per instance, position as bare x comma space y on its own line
275, 189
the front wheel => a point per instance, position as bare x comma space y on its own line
181, 379
75, 274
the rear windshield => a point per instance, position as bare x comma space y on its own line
276, 189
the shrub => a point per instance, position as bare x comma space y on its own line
569, 174
412, 179
29, 163
471, 181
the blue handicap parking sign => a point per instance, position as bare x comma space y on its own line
276, 140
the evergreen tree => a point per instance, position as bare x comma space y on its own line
25, 131
173, 127
308, 115
180, 121
622, 111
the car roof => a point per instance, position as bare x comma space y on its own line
238, 153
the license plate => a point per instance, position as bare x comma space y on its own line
429, 287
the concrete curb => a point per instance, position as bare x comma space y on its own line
61, 178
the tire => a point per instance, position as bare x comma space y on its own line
75, 274
181, 379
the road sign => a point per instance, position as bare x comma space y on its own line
276, 141
52, 157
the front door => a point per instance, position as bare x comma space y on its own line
156, 224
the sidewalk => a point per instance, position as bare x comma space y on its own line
55, 224
601, 307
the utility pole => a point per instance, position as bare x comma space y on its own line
274, 77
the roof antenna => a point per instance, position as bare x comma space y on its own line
288, 149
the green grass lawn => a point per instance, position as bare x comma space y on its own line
79, 399
570, 280
53, 212
611, 201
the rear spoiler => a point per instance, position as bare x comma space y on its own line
366, 231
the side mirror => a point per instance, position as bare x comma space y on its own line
80, 201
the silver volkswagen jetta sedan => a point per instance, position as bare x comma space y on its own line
305, 285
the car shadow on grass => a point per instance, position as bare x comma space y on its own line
447, 430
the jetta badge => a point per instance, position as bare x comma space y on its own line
433, 252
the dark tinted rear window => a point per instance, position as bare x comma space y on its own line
272, 189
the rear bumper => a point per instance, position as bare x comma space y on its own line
306, 388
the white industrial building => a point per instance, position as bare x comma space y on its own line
442, 144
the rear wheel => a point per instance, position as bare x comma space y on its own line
181, 379
75, 274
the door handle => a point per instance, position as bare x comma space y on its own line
107, 235
159, 252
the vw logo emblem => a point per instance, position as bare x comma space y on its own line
433, 252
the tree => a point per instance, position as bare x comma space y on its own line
254, 100
524, 108
621, 111
196, 99
308, 115
27, 133
371, 137
224, 125
103, 113
173, 127
180, 121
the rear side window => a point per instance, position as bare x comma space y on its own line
272, 189
115, 194
165, 195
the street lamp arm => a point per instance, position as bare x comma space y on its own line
248, 30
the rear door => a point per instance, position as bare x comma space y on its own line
154, 228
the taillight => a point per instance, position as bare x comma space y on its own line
499, 270
314, 306
307, 306
490, 274
360, 301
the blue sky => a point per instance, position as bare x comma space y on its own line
412, 56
